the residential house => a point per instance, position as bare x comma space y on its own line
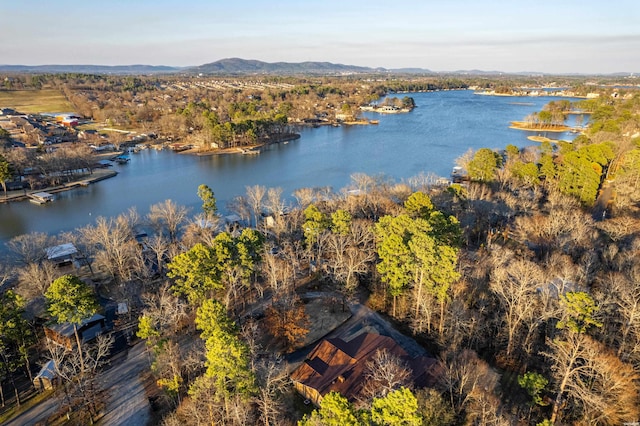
337, 365
63, 334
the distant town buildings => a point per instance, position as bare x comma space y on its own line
39, 129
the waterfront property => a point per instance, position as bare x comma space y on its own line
428, 140
41, 197
62, 255
122, 159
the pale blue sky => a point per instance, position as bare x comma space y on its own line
507, 35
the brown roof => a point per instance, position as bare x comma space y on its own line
336, 365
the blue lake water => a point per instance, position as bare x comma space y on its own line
428, 140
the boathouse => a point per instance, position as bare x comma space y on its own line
62, 255
40, 197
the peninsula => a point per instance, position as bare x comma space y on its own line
523, 125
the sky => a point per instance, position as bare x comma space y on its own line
553, 36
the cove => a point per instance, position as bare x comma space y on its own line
427, 140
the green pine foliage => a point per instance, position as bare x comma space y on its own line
315, 223
227, 355
580, 311
209, 203
69, 299
204, 270
341, 222
398, 408
484, 165
534, 383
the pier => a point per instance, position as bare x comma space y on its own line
40, 197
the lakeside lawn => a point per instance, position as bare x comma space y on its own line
35, 101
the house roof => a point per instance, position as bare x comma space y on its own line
66, 329
48, 371
336, 365
60, 251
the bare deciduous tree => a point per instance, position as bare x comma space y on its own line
304, 197
164, 309
202, 229
159, 245
272, 382
624, 290
255, 197
592, 377
384, 373
279, 274
116, 251
30, 248
277, 207
240, 206
168, 216
466, 379
34, 279
81, 388
515, 283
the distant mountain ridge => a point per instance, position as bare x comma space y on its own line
228, 66
252, 66
91, 69
238, 66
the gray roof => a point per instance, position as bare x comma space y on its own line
66, 329
48, 371
60, 251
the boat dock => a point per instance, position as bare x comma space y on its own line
121, 159
40, 197
251, 151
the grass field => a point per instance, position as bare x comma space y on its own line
35, 101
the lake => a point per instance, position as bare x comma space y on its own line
427, 140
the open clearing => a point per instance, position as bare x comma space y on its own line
35, 101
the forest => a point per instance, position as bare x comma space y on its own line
523, 280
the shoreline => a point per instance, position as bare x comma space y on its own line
541, 139
521, 125
248, 149
96, 176
555, 94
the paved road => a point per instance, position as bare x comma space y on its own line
38, 413
602, 203
127, 405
